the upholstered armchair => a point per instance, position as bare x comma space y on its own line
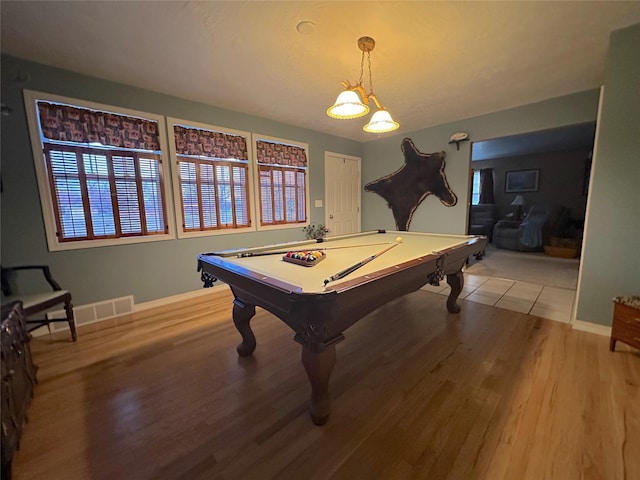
534, 232
482, 219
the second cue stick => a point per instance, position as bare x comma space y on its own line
356, 266
278, 252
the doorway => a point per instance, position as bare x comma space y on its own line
556, 159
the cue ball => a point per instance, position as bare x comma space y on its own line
399, 239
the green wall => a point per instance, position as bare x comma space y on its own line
147, 270
154, 270
611, 252
384, 156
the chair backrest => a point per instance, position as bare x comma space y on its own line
23, 280
483, 212
538, 213
553, 219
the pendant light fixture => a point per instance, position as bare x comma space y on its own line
353, 102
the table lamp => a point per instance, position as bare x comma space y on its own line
519, 202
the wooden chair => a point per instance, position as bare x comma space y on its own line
39, 302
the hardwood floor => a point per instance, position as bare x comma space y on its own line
417, 393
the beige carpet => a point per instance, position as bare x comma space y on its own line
530, 267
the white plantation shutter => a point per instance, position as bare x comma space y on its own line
127, 195
215, 194
241, 195
302, 194
282, 195
208, 195
189, 191
278, 200
282, 170
213, 175
152, 194
225, 197
65, 177
266, 197
100, 193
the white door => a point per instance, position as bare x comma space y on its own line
342, 193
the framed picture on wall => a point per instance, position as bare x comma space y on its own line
521, 181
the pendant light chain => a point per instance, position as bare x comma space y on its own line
370, 78
362, 70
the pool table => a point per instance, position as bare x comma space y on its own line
319, 309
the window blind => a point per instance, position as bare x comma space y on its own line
105, 193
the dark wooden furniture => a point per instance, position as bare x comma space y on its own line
38, 294
18, 380
626, 322
319, 314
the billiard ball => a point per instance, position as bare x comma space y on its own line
399, 239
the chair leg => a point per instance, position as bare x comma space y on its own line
68, 307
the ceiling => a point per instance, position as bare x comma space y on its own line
434, 62
562, 139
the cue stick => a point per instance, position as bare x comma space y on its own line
260, 254
353, 268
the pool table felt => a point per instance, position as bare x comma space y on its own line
311, 279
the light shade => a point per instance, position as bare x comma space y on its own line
381, 122
519, 201
348, 105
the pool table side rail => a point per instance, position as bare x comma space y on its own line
221, 269
377, 275
455, 257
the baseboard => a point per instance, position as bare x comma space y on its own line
114, 308
178, 298
592, 328
88, 314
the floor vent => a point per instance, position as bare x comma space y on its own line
91, 313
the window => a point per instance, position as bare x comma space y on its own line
282, 186
475, 190
101, 174
105, 193
213, 178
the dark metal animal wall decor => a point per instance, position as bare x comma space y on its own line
421, 175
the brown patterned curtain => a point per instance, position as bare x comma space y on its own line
279, 154
207, 143
486, 185
82, 125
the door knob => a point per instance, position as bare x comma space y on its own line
331, 217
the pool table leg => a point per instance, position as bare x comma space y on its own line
456, 282
319, 365
242, 314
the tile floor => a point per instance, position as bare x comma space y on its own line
541, 300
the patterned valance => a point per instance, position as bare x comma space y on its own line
82, 125
279, 154
207, 143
